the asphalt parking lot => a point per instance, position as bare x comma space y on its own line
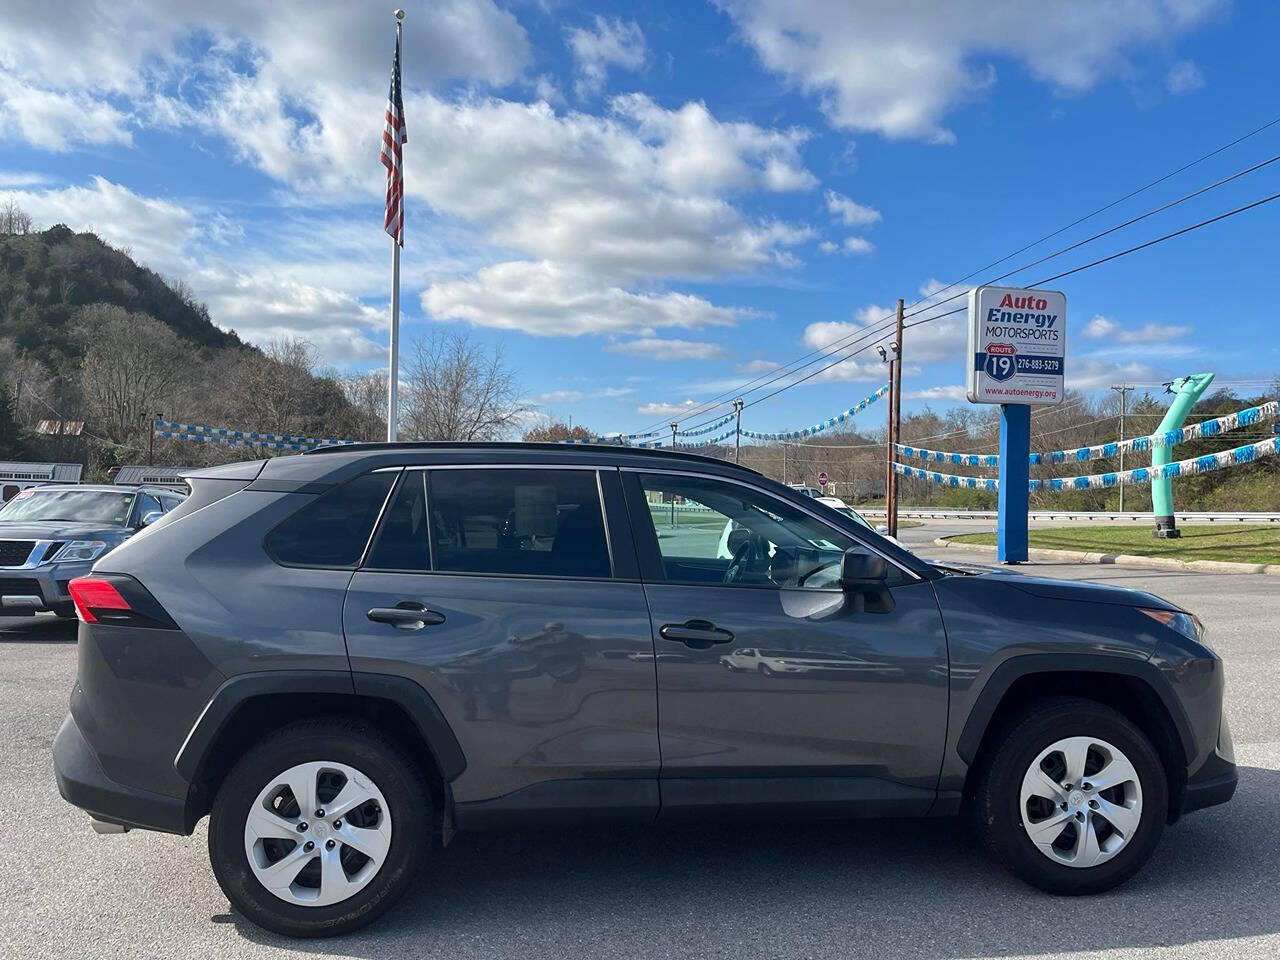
870, 889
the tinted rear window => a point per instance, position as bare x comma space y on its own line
518, 522
332, 530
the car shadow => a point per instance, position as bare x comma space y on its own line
917, 888
40, 628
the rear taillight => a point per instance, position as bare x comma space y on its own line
92, 595
118, 600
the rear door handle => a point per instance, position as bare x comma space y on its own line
406, 616
699, 634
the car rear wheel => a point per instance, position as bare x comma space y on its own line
1074, 797
319, 828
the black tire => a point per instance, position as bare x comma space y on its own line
67, 611
998, 795
340, 740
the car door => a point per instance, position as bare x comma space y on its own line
511, 595
775, 685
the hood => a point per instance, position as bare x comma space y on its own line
60, 530
1089, 592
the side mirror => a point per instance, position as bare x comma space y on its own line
860, 570
737, 538
150, 517
882, 529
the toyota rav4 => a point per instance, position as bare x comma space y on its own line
344, 657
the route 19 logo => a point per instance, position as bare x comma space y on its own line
1000, 365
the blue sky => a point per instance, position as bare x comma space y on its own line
647, 204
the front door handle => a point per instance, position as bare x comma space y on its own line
406, 616
699, 634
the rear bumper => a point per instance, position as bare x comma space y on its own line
82, 782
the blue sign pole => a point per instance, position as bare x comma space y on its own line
1013, 498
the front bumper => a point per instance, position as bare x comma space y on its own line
38, 587
82, 782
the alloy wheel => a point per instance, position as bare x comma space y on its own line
1081, 801
318, 833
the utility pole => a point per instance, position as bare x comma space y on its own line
885, 357
151, 441
897, 420
1123, 390
673, 426
737, 431
784, 461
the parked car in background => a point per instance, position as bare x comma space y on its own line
806, 490
839, 506
54, 533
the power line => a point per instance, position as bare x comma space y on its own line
1058, 276
839, 343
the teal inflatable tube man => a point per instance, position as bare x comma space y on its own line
1186, 391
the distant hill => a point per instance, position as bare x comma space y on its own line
46, 276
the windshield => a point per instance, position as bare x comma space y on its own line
81, 506
854, 515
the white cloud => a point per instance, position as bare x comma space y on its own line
757, 366
936, 393
1184, 77
666, 409
898, 68
1101, 327
544, 298
553, 397
612, 43
658, 348
57, 121
848, 212
854, 246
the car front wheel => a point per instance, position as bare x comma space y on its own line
1074, 798
319, 828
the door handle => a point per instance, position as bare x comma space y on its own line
699, 634
406, 616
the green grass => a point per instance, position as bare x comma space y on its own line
1244, 544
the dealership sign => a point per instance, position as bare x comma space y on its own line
1017, 345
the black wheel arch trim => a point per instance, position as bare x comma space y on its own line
405, 693
1015, 668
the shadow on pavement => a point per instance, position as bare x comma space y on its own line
40, 628
867, 888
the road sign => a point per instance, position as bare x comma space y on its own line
1017, 346
822, 479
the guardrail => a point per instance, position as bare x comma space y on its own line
926, 513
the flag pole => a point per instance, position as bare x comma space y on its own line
393, 369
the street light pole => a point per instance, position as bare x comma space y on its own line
897, 420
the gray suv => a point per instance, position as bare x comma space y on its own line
345, 656
51, 534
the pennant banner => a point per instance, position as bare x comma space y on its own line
252, 438
707, 429
819, 427
1142, 475
1170, 438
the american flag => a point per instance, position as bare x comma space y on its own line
393, 136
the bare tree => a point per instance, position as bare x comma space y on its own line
133, 366
28, 382
274, 390
367, 393
556, 431
455, 389
13, 219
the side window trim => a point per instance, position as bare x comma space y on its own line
651, 566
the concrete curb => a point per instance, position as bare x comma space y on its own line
1128, 560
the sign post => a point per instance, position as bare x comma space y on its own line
822, 481
1016, 358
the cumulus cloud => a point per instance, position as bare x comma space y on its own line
657, 409
1102, 327
545, 298
848, 212
896, 69
659, 348
610, 42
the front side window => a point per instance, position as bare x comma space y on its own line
713, 531
80, 506
522, 522
333, 529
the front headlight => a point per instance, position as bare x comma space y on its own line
1187, 624
80, 550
